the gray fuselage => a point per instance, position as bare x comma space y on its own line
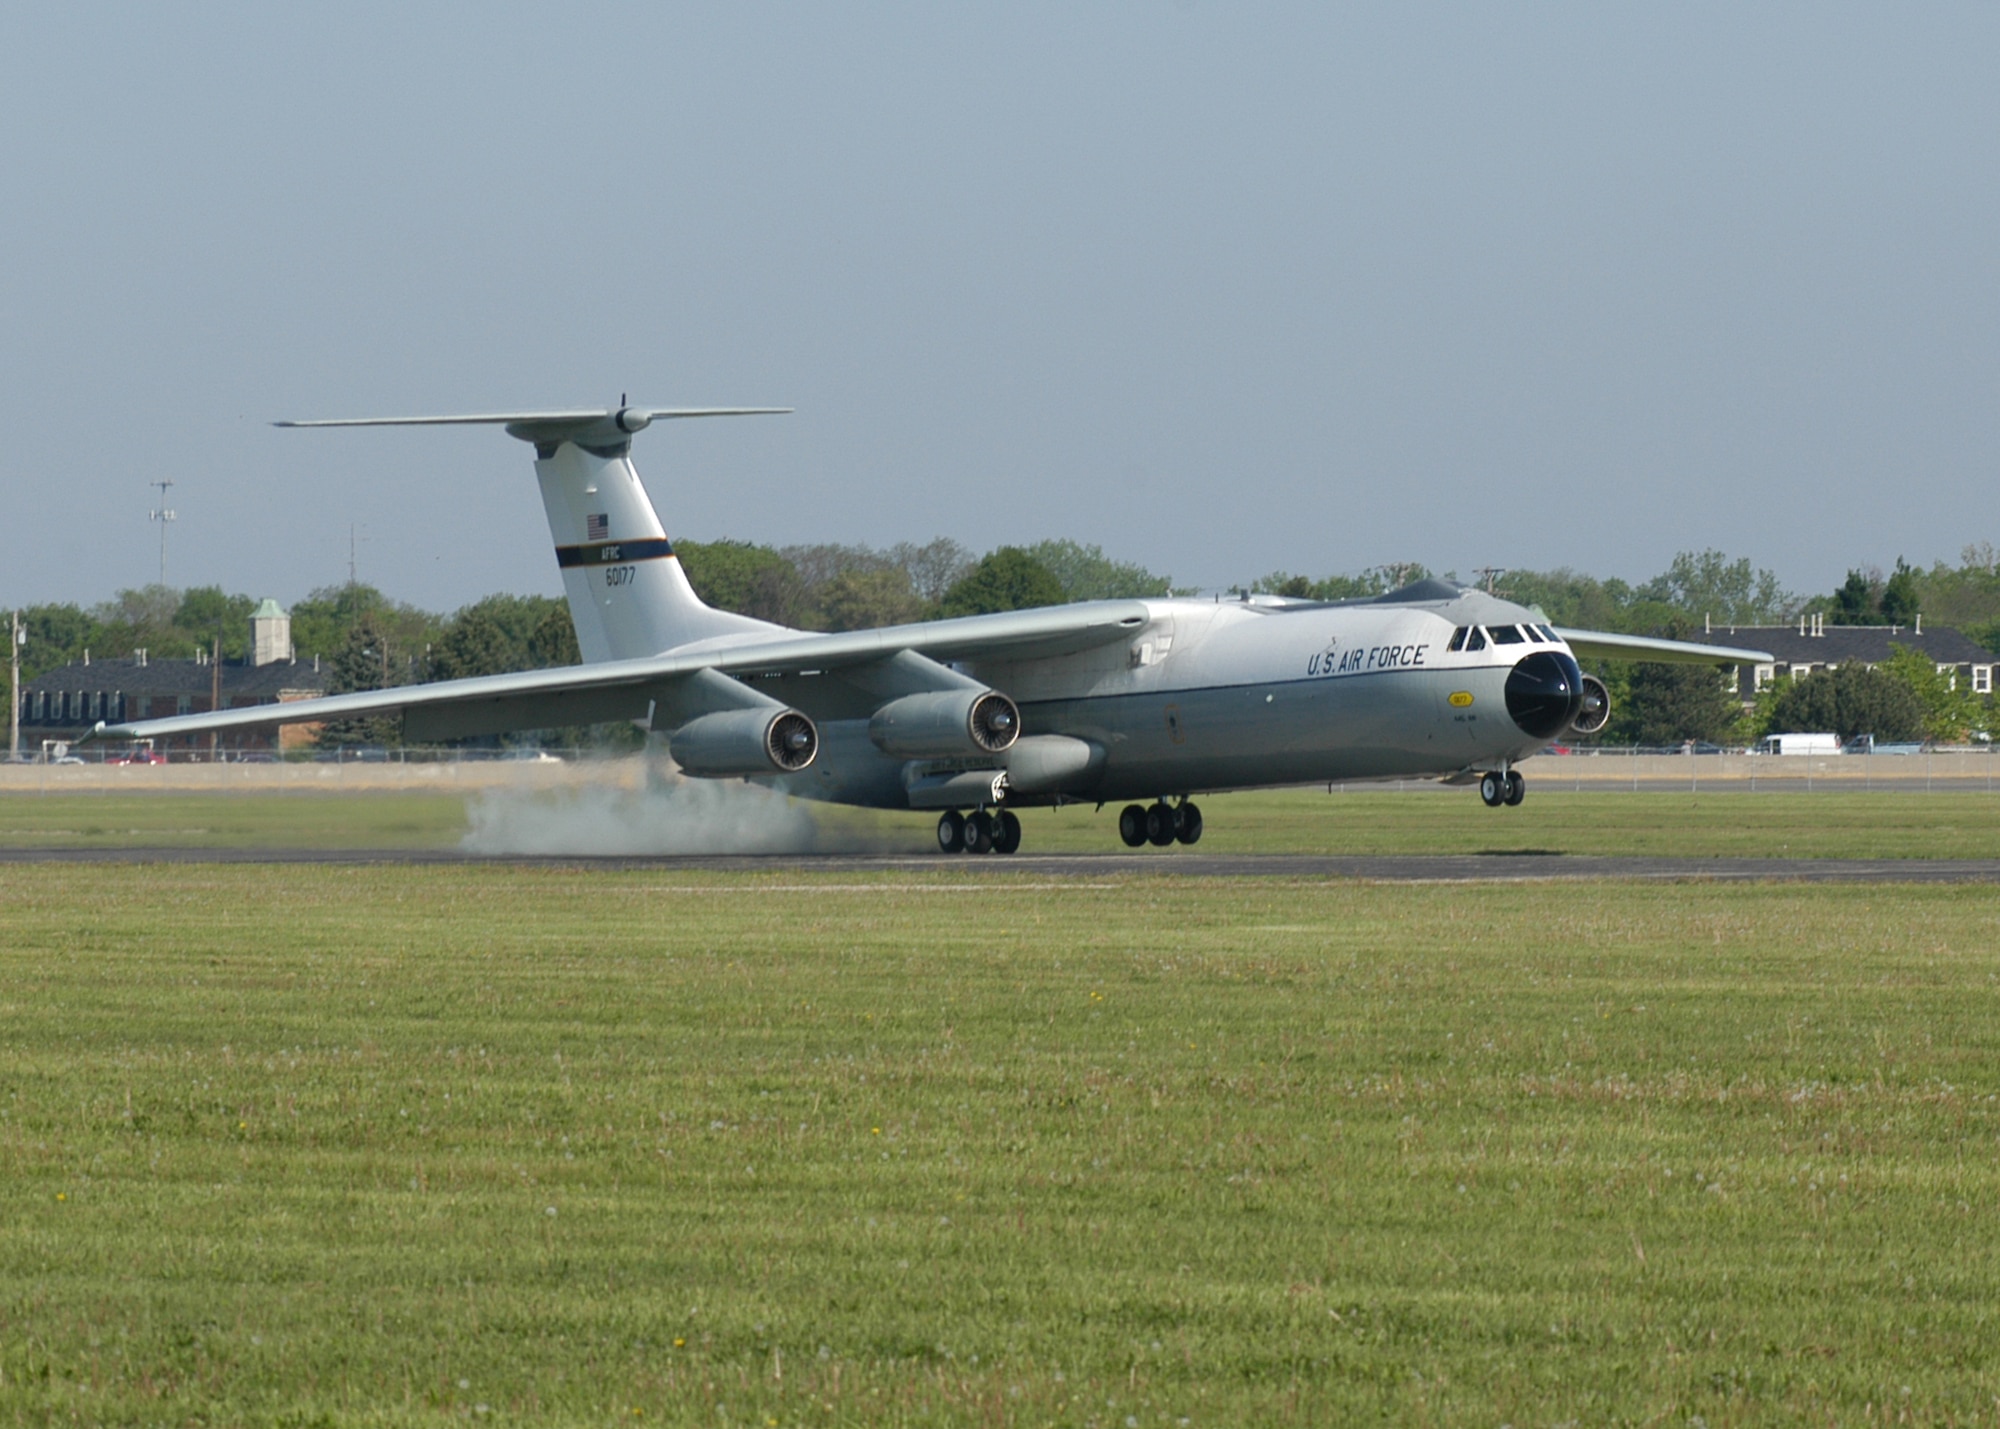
1208, 696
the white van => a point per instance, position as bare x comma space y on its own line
1797, 744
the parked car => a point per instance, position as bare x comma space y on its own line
137, 756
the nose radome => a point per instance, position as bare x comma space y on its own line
1544, 693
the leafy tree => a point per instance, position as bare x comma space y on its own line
553, 642
1376, 580
1707, 584
205, 614
1948, 711
935, 566
862, 600
1569, 597
748, 579
324, 620
1006, 579
1900, 599
1855, 603
1848, 700
494, 636
1666, 704
367, 660
1086, 573
144, 619
57, 636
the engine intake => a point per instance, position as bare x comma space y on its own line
946, 723
736, 743
1595, 711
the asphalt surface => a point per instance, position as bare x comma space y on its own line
1498, 867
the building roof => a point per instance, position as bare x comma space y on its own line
269, 610
1870, 644
183, 677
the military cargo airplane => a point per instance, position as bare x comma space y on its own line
1152, 701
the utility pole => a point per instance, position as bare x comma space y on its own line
165, 517
1491, 575
15, 641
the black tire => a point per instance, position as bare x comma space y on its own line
1006, 832
1517, 789
1132, 825
951, 831
979, 833
1493, 789
1190, 823
1160, 825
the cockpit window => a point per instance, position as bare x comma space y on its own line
1506, 635
1457, 639
1549, 634
1475, 639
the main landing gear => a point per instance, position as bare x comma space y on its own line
1159, 824
1498, 787
978, 832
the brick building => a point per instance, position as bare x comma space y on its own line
65, 704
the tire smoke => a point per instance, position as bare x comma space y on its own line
670, 815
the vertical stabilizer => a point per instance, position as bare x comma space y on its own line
627, 592
628, 595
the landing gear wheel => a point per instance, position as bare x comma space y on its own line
1006, 832
951, 831
1517, 788
1160, 825
1493, 789
1188, 816
979, 833
1132, 825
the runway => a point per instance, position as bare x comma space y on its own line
1498, 866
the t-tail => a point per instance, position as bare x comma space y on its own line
628, 596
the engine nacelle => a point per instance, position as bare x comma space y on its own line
946, 724
1595, 711
734, 743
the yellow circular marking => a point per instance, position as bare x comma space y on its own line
1461, 698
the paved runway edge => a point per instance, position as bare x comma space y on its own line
1496, 867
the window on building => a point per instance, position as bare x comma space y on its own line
184, 704
1799, 672
1762, 676
1952, 671
118, 705
1982, 679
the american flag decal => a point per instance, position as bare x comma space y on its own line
598, 527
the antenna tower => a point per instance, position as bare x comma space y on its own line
164, 515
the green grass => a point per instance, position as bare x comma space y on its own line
368, 1145
177, 820
1816, 825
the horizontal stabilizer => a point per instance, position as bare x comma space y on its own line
579, 417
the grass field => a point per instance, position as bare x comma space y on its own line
331, 1145
1796, 825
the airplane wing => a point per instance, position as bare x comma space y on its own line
627, 689
1604, 645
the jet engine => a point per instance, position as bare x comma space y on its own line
736, 743
1595, 711
945, 724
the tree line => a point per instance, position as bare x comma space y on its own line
366, 640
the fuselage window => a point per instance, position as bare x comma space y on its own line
1457, 639
1506, 634
1475, 639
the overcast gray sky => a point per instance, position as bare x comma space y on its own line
1224, 288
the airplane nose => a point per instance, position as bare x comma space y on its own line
1544, 692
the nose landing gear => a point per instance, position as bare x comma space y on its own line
1499, 787
1159, 824
980, 832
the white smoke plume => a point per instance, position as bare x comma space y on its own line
669, 815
